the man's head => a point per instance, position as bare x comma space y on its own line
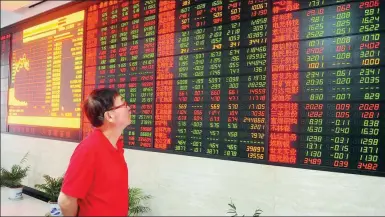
105, 107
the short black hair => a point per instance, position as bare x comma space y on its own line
97, 103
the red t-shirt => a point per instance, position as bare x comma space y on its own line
98, 176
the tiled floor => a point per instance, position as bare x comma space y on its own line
28, 206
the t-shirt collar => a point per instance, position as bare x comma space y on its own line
105, 141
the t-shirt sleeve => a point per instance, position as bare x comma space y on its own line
80, 172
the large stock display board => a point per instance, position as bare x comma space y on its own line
283, 82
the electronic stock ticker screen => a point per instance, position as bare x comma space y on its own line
285, 82
46, 78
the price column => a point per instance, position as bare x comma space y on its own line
132, 52
370, 153
146, 71
56, 78
49, 71
230, 106
123, 38
121, 55
253, 80
214, 105
213, 112
312, 143
182, 96
102, 45
313, 111
112, 53
76, 82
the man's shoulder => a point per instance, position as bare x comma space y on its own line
89, 143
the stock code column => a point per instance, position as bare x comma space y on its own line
211, 77
120, 53
328, 94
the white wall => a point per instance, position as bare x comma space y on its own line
183, 185
5, 73
4, 96
7, 18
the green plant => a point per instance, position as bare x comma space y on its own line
136, 197
233, 210
13, 178
51, 187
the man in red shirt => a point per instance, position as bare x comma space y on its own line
96, 181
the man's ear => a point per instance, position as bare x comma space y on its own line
108, 116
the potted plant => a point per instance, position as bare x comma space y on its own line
51, 188
13, 179
233, 210
136, 197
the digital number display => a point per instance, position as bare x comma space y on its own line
120, 53
327, 85
212, 78
280, 82
46, 80
277, 82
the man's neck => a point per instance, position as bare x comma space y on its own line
111, 135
